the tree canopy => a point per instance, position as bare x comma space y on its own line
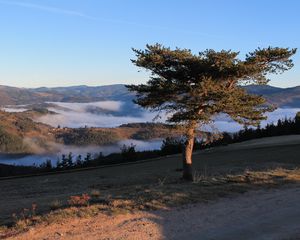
195, 87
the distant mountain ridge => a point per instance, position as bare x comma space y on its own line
281, 97
18, 96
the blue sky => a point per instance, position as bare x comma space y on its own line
75, 42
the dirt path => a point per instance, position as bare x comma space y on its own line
272, 214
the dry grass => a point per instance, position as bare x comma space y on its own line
56, 204
17, 194
95, 193
170, 193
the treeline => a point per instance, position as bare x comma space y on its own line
175, 145
145, 125
87, 136
169, 146
282, 127
149, 130
12, 170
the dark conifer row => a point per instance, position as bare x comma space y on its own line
169, 146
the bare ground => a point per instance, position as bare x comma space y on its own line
268, 215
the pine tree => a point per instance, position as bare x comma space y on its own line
70, 159
79, 160
64, 161
193, 88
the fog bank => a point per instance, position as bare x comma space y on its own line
223, 123
12, 110
76, 115
38, 159
96, 114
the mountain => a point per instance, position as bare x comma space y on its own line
281, 97
262, 89
20, 96
84, 93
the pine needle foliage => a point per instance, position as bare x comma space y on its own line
194, 88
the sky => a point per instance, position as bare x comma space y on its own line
88, 42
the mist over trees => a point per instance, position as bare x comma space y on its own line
169, 146
193, 88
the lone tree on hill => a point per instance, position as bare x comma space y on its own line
194, 88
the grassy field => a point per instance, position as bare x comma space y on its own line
219, 171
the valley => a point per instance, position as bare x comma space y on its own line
27, 142
55, 121
135, 120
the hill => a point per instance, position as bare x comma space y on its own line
281, 97
20, 96
20, 134
150, 185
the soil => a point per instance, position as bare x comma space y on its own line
267, 215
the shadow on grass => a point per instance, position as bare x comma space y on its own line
167, 193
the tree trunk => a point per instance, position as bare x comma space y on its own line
187, 154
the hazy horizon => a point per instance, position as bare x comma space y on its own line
103, 85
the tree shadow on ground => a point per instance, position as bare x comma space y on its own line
197, 207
